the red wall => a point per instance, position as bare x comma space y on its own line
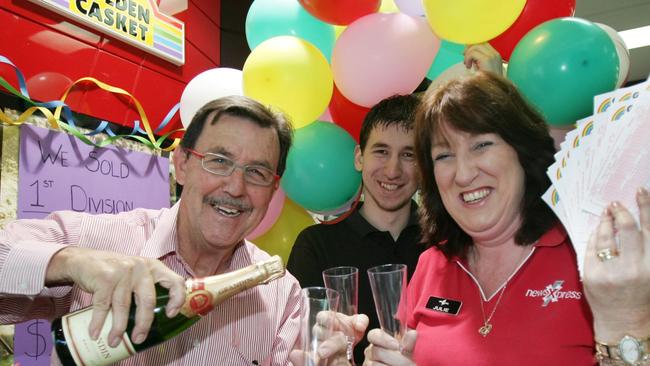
53, 51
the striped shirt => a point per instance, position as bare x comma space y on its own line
256, 327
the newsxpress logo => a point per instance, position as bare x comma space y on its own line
137, 22
553, 293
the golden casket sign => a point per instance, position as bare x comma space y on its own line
136, 22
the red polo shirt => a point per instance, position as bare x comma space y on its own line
542, 318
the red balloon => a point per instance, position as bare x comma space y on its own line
340, 12
347, 114
535, 12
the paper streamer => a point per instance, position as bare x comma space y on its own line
69, 126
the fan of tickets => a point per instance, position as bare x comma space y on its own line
604, 159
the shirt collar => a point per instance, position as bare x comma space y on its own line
553, 237
363, 227
164, 239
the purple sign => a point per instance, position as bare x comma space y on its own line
57, 172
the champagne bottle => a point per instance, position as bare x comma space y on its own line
75, 347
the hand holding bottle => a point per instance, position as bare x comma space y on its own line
113, 278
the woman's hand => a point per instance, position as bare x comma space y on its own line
386, 350
485, 57
617, 272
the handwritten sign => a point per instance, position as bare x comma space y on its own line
57, 172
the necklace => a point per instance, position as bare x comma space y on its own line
485, 329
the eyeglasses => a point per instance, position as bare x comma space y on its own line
222, 165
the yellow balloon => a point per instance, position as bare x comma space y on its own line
388, 6
291, 74
338, 29
471, 21
280, 238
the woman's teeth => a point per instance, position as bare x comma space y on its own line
475, 196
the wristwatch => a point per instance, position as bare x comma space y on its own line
628, 351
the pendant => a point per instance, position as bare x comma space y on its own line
485, 329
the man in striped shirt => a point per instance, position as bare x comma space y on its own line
229, 164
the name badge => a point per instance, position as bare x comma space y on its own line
446, 306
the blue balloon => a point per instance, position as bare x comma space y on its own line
320, 174
561, 64
271, 18
449, 54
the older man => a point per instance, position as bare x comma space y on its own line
229, 164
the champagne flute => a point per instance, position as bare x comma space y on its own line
318, 305
388, 285
345, 280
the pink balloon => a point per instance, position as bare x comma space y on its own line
326, 116
271, 216
381, 55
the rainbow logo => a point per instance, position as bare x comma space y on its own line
588, 128
604, 105
576, 141
558, 174
625, 97
136, 22
619, 113
555, 198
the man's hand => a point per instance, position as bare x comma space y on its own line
386, 350
484, 57
113, 278
334, 348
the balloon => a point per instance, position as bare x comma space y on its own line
622, 52
411, 7
47, 86
340, 12
271, 216
338, 29
270, 18
535, 12
381, 55
388, 6
561, 64
455, 71
471, 21
207, 86
290, 74
320, 174
347, 114
449, 54
279, 240
326, 116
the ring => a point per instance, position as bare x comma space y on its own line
607, 254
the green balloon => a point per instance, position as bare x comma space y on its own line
449, 54
271, 18
561, 64
320, 174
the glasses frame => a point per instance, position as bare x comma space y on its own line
234, 166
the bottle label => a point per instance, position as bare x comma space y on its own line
87, 352
198, 302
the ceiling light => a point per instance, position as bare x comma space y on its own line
637, 37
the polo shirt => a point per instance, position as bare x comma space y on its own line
354, 242
542, 318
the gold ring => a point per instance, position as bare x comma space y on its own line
607, 254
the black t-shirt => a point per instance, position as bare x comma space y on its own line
354, 242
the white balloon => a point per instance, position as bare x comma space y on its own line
207, 86
456, 71
622, 52
410, 7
